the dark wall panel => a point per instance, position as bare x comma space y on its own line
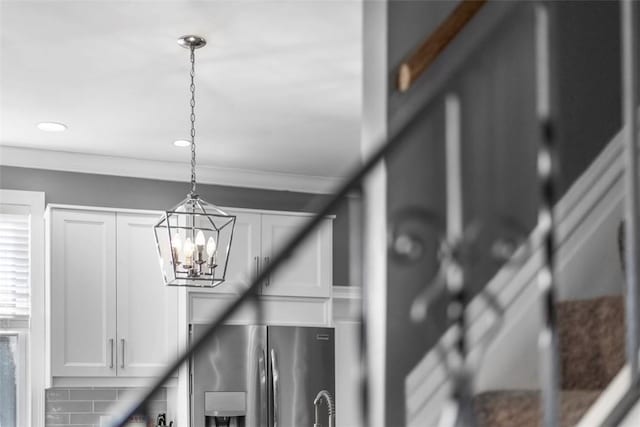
587, 58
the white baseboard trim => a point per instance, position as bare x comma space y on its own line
162, 170
608, 399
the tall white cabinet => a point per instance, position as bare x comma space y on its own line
82, 293
110, 313
146, 309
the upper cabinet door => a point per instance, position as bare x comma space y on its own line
146, 309
244, 253
309, 271
83, 293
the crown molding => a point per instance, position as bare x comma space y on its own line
162, 170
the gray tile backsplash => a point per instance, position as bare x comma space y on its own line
95, 394
68, 406
57, 394
57, 419
80, 407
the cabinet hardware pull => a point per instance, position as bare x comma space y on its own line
111, 353
266, 264
122, 362
257, 260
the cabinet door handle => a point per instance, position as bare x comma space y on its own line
266, 265
111, 353
122, 361
257, 260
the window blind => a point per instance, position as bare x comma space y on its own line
14, 266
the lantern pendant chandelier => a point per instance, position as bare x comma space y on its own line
193, 238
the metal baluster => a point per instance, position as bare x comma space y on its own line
630, 136
462, 396
548, 337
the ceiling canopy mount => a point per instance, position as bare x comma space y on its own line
191, 41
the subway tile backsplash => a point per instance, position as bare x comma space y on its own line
89, 406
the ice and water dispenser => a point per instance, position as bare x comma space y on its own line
259, 376
225, 408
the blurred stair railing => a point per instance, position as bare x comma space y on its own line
548, 184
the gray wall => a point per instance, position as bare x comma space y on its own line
136, 193
416, 177
496, 89
587, 58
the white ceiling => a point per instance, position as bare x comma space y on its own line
277, 86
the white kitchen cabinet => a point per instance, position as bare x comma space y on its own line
82, 293
146, 309
308, 272
111, 314
244, 255
259, 235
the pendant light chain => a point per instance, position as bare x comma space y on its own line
193, 238
192, 88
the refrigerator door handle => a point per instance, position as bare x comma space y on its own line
274, 384
262, 364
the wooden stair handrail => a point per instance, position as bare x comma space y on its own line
424, 56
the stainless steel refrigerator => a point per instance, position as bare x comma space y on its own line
262, 376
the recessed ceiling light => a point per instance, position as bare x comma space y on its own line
52, 126
182, 143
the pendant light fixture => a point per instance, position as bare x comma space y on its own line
194, 237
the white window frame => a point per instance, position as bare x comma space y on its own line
31, 372
22, 386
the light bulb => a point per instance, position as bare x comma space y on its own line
176, 241
211, 247
199, 246
211, 253
188, 246
188, 251
176, 246
200, 239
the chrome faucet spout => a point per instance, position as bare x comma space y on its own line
324, 394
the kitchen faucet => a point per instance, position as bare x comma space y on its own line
330, 407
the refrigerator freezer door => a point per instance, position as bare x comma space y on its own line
301, 363
235, 362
